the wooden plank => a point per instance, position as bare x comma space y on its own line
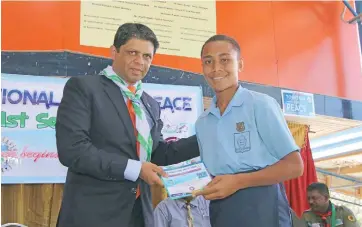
56, 203
347, 170
347, 192
28, 204
12, 204
330, 160
37, 200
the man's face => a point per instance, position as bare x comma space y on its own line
317, 201
221, 65
133, 59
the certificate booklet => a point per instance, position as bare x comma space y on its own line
185, 177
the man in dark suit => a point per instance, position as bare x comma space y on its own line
108, 133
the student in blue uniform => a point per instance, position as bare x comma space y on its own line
190, 212
246, 145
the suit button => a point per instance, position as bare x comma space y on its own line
134, 190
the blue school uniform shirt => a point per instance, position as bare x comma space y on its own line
173, 213
251, 134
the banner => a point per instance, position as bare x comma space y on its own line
28, 117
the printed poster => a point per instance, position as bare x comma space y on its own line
28, 117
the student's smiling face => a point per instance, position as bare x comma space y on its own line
221, 65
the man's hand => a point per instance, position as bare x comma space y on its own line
149, 173
220, 187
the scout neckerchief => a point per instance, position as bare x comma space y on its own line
331, 213
142, 126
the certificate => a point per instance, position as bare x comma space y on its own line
185, 177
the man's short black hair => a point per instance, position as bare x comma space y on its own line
320, 187
226, 38
128, 31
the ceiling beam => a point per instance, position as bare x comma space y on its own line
347, 169
344, 177
350, 186
356, 193
349, 193
349, 155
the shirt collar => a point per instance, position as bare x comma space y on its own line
182, 203
329, 206
237, 100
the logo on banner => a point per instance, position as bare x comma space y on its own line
170, 129
9, 154
176, 128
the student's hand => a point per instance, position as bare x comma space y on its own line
150, 173
220, 187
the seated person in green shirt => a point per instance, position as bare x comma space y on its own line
323, 213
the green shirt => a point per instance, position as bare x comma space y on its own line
344, 218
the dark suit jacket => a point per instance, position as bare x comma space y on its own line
95, 138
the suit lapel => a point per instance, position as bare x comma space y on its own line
115, 95
148, 107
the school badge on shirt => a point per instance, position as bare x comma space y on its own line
241, 139
240, 127
351, 218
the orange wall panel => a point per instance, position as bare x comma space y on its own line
297, 45
349, 77
31, 25
251, 24
316, 51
